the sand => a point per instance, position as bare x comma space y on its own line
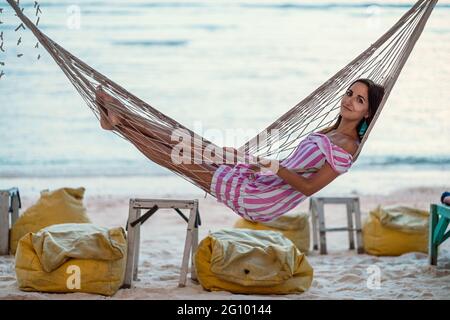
341, 274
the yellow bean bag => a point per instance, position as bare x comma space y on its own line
72, 258
252, 262
396, 230
294, 227
63, 205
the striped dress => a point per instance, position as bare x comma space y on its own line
264, 197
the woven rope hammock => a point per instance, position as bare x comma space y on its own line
150, 130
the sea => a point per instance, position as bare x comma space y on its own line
218, 67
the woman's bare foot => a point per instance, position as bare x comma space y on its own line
108, 118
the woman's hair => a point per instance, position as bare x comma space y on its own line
375, 93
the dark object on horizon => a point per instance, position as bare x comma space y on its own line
19, 55
19, 41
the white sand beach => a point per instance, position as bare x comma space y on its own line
341, 274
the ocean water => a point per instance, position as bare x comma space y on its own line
218, 67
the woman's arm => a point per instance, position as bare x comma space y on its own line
308, 186
234, 156
325, 175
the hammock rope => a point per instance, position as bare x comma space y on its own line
381, 62
149, 129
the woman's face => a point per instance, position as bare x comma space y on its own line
355, 102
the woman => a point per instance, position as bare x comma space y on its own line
263, 195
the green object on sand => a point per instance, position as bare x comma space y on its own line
439, 220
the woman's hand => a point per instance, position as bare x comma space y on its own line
255, 168
265, 165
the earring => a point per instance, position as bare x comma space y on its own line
363, 128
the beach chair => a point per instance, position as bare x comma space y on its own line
439, 220
9, 213
135, 220
317, 212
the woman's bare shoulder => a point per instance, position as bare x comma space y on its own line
347, 143
350, 145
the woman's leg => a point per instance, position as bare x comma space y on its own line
110, 116
202, 149
156, 143
160, 153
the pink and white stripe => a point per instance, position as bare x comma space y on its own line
263, 197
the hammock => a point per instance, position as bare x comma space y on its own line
382, 62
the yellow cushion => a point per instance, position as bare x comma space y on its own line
396, 230
252, 262
64, 205
294, 227
72, 258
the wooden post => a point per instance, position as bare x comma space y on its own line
15, 205
322, 229
4, 223
194, 212
187, 247
137, 246
432, 245
313, 213
351, 238
358, 226
131, 241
